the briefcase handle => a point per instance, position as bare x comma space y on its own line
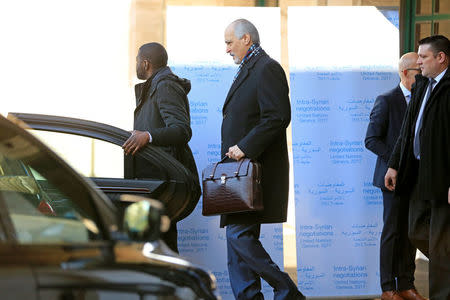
236, 173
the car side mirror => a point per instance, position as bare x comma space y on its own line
144, 219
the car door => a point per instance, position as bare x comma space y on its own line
172, 184
16, 281
55, 232
36, 228
108, 283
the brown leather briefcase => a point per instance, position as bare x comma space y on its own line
232, 187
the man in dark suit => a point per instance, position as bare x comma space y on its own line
161, 118
256, 113
397, 254
419, 167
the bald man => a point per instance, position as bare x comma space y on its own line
397, 255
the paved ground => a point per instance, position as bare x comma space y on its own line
422, 277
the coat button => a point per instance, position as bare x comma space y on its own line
224, 116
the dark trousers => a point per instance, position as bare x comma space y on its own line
397, 254
248, 262
429, 230
171, 237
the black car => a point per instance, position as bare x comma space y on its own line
62, 238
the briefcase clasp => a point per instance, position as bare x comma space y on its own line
223, 179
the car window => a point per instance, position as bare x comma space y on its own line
90, 157
45, 203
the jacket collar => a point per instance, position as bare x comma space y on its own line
422, 79
145, 89
242, 76
442, 85
160, 74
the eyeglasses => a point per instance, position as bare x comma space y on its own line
414, 69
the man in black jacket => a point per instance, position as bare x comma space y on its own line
161, 117
256, 113
419, 168
397, 254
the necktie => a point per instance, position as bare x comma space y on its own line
416, 146
408, 97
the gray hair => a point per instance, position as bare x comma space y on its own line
243, 26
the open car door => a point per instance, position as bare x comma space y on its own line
174, 184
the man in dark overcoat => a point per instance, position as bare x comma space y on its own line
161, 118
419, 168
397, 254
256, 114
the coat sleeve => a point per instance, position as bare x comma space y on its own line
274, 109
378, 127
394, 160
174, 113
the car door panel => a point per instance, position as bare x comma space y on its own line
17, 282
107, 283
180, 190
114, 188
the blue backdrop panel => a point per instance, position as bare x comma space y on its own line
338, 211
199, 238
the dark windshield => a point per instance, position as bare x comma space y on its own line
45, 201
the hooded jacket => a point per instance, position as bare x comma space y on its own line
162, 108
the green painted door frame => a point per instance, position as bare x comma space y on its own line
260, 3
408, 20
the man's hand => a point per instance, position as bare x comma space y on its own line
390, 179
136, 141
448, 199
235, 153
